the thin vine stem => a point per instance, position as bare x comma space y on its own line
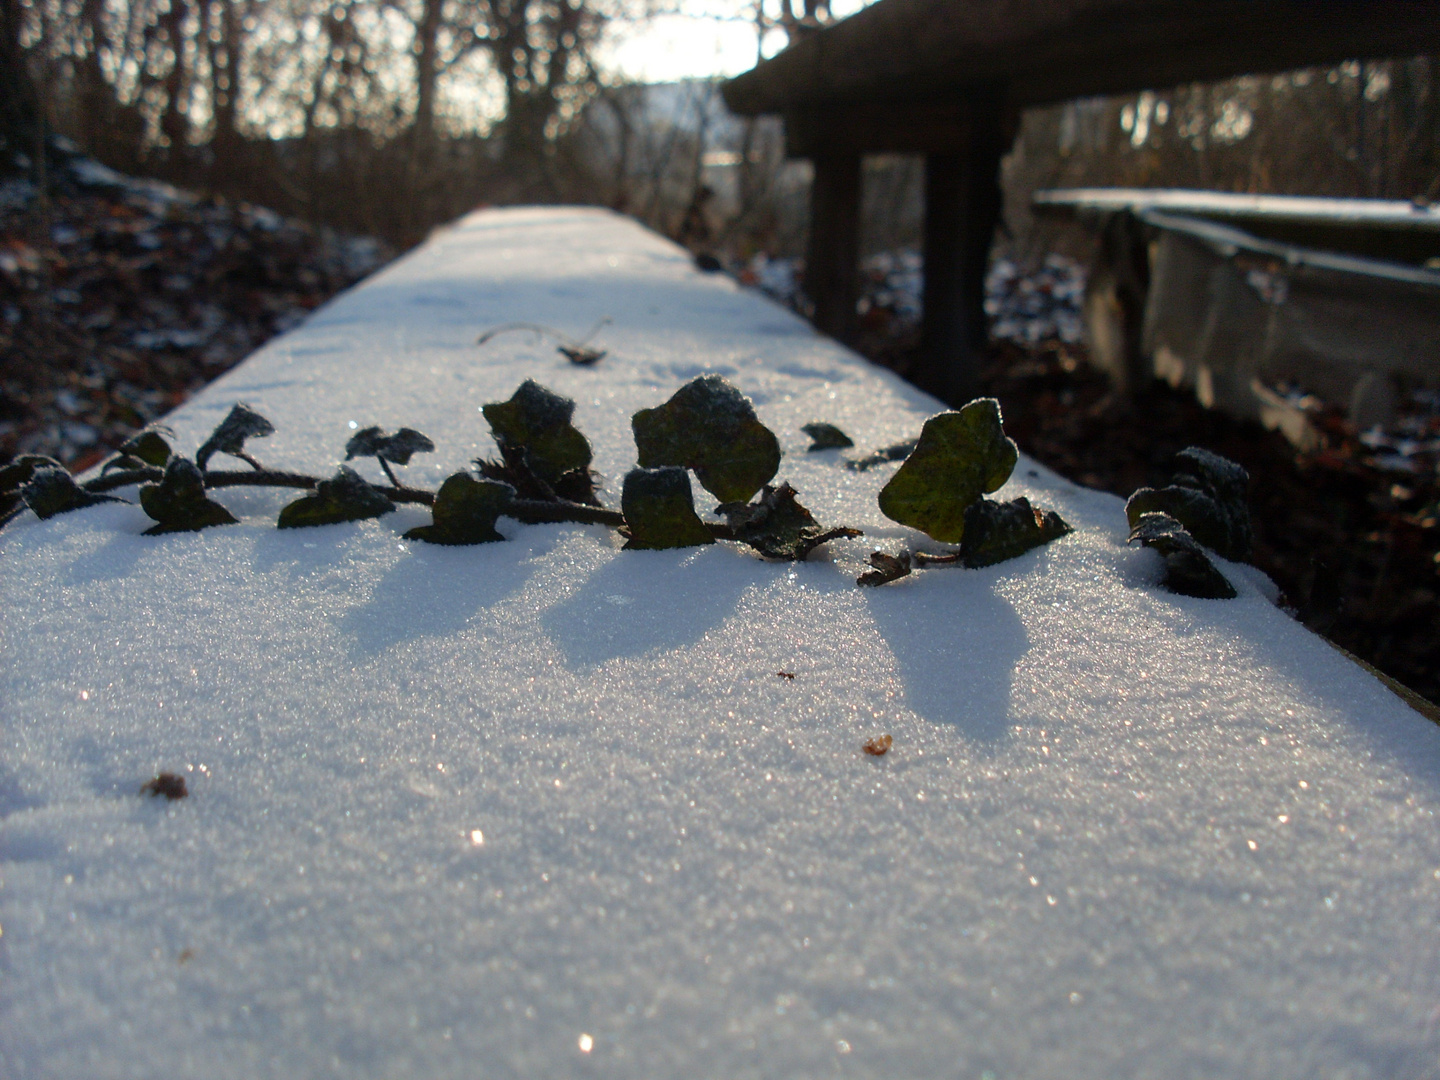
923, 559
385, 468
529, 511
536, 512
123, 478
542, 330
220, 478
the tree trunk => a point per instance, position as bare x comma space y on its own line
427, 72
20, 118
174, 124
96, 97
225, 90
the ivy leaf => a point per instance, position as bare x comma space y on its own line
537, 421
710, 427
15, 475
581, 355
465, 511
577, 485
887, 568
960, 456
897, 452
826, 437
1207, 495
1188, 570
148, 448
179, 503
51, 490
777, 526
996, 531
660, 510
229, 438
344, 497
399, 448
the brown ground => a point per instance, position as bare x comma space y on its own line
118, 301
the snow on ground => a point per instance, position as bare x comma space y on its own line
545, 809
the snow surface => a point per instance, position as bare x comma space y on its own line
545, 809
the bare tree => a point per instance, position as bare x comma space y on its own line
20, 115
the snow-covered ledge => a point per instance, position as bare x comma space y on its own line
545, 809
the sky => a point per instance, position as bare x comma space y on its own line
703, 38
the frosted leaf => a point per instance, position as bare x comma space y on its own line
1207, 495
399, 448
777, 526
465, 511
148, 448
960, 457
996, 531
537, 421
51, 490
1188, 570
229, 438
15, 475
710, 427
898, 452
826, 437
660, 510
178, 503
344, 497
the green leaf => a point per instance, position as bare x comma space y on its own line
1207, 495
399, 448
1188, 570
229, 438
465, 511
537, 421
996, 531
960, 456
826, 437
148, 449
51, 490
344, 497
886, 568
777, 526
149, 446
710, 427
179, 503
660, 510
14, 476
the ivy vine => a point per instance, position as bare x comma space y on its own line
542, 473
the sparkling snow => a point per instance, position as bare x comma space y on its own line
545, 809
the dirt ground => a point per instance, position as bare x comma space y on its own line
121, 297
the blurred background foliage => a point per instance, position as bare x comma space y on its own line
388, 117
